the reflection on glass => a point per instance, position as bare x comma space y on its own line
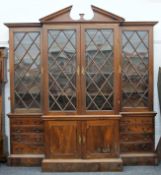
99, 69
62, 70
135, 68
27, 70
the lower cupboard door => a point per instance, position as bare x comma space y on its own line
62, 139
101, 139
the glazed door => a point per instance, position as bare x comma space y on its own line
62, 69
137, 93
100, 61
82, 70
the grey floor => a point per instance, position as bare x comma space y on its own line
128, 170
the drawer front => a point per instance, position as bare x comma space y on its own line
136, 120
26, 129
147, 137
136, 134
24, 148
27, 135
146, 128
136, 147
26, 121
35, 139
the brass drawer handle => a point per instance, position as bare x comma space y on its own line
78, 70
79, 140
83, 72
18, 130
84, 139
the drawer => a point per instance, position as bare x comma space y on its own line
136, 120
26, 121
137, 137
137, 129
21, 148
136, 147
27, 129
31, 138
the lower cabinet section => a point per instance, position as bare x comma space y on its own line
137, 132
82, 145
98, 138
26, 140
137, 138
82, 142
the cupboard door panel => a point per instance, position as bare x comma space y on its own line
101, 139
63, 139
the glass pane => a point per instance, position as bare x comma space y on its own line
62, 70
27, 70
99, 69
135, 68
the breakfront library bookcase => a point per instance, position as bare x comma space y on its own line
81, 92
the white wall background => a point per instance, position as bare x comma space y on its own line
138, 10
